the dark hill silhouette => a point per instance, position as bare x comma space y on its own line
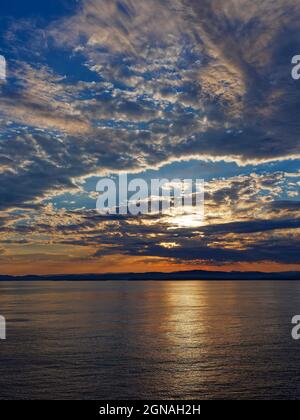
179, 275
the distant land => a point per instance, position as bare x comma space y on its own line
179, 275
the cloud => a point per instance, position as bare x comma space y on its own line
126, 85
198, 75
243, 224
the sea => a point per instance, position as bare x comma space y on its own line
149, 340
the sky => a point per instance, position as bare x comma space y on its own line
157, 89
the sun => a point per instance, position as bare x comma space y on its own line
190, 218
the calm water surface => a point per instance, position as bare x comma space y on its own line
143, 340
